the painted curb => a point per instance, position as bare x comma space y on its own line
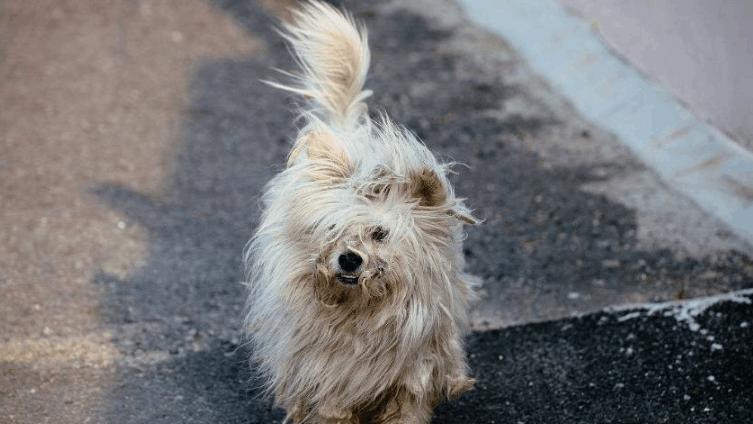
691, 156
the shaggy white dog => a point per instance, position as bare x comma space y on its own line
357, 305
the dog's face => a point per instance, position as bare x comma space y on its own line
376, 227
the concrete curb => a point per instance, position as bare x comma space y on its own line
690, 156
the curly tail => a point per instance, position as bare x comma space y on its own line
333, 54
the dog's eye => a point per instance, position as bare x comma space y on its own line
379, 234
377, 192
383, 189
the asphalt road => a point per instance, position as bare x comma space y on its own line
137, 140
603, 368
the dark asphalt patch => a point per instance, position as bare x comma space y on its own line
596, 369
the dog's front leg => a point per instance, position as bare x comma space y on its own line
328, 414
413, 400
406, 408
456, 379
325, 414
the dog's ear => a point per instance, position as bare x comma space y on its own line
430, 190
327, 159
427, 187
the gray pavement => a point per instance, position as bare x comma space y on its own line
136, 140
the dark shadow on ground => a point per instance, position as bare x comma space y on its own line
187, 298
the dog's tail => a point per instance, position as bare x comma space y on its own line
333, 53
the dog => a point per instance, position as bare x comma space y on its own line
357, 303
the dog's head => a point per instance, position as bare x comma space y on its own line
363, 210
371, 213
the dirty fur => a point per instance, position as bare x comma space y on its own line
382, 343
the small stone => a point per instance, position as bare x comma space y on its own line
176, 36
611, 263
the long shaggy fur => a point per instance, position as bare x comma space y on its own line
388, 347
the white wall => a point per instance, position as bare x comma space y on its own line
701, 50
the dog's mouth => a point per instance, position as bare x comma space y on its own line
349, 280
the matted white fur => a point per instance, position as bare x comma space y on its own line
384, 342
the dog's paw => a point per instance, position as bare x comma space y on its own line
333, 415
457, 385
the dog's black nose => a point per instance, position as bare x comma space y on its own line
349, 262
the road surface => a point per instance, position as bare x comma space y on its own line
137, 138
